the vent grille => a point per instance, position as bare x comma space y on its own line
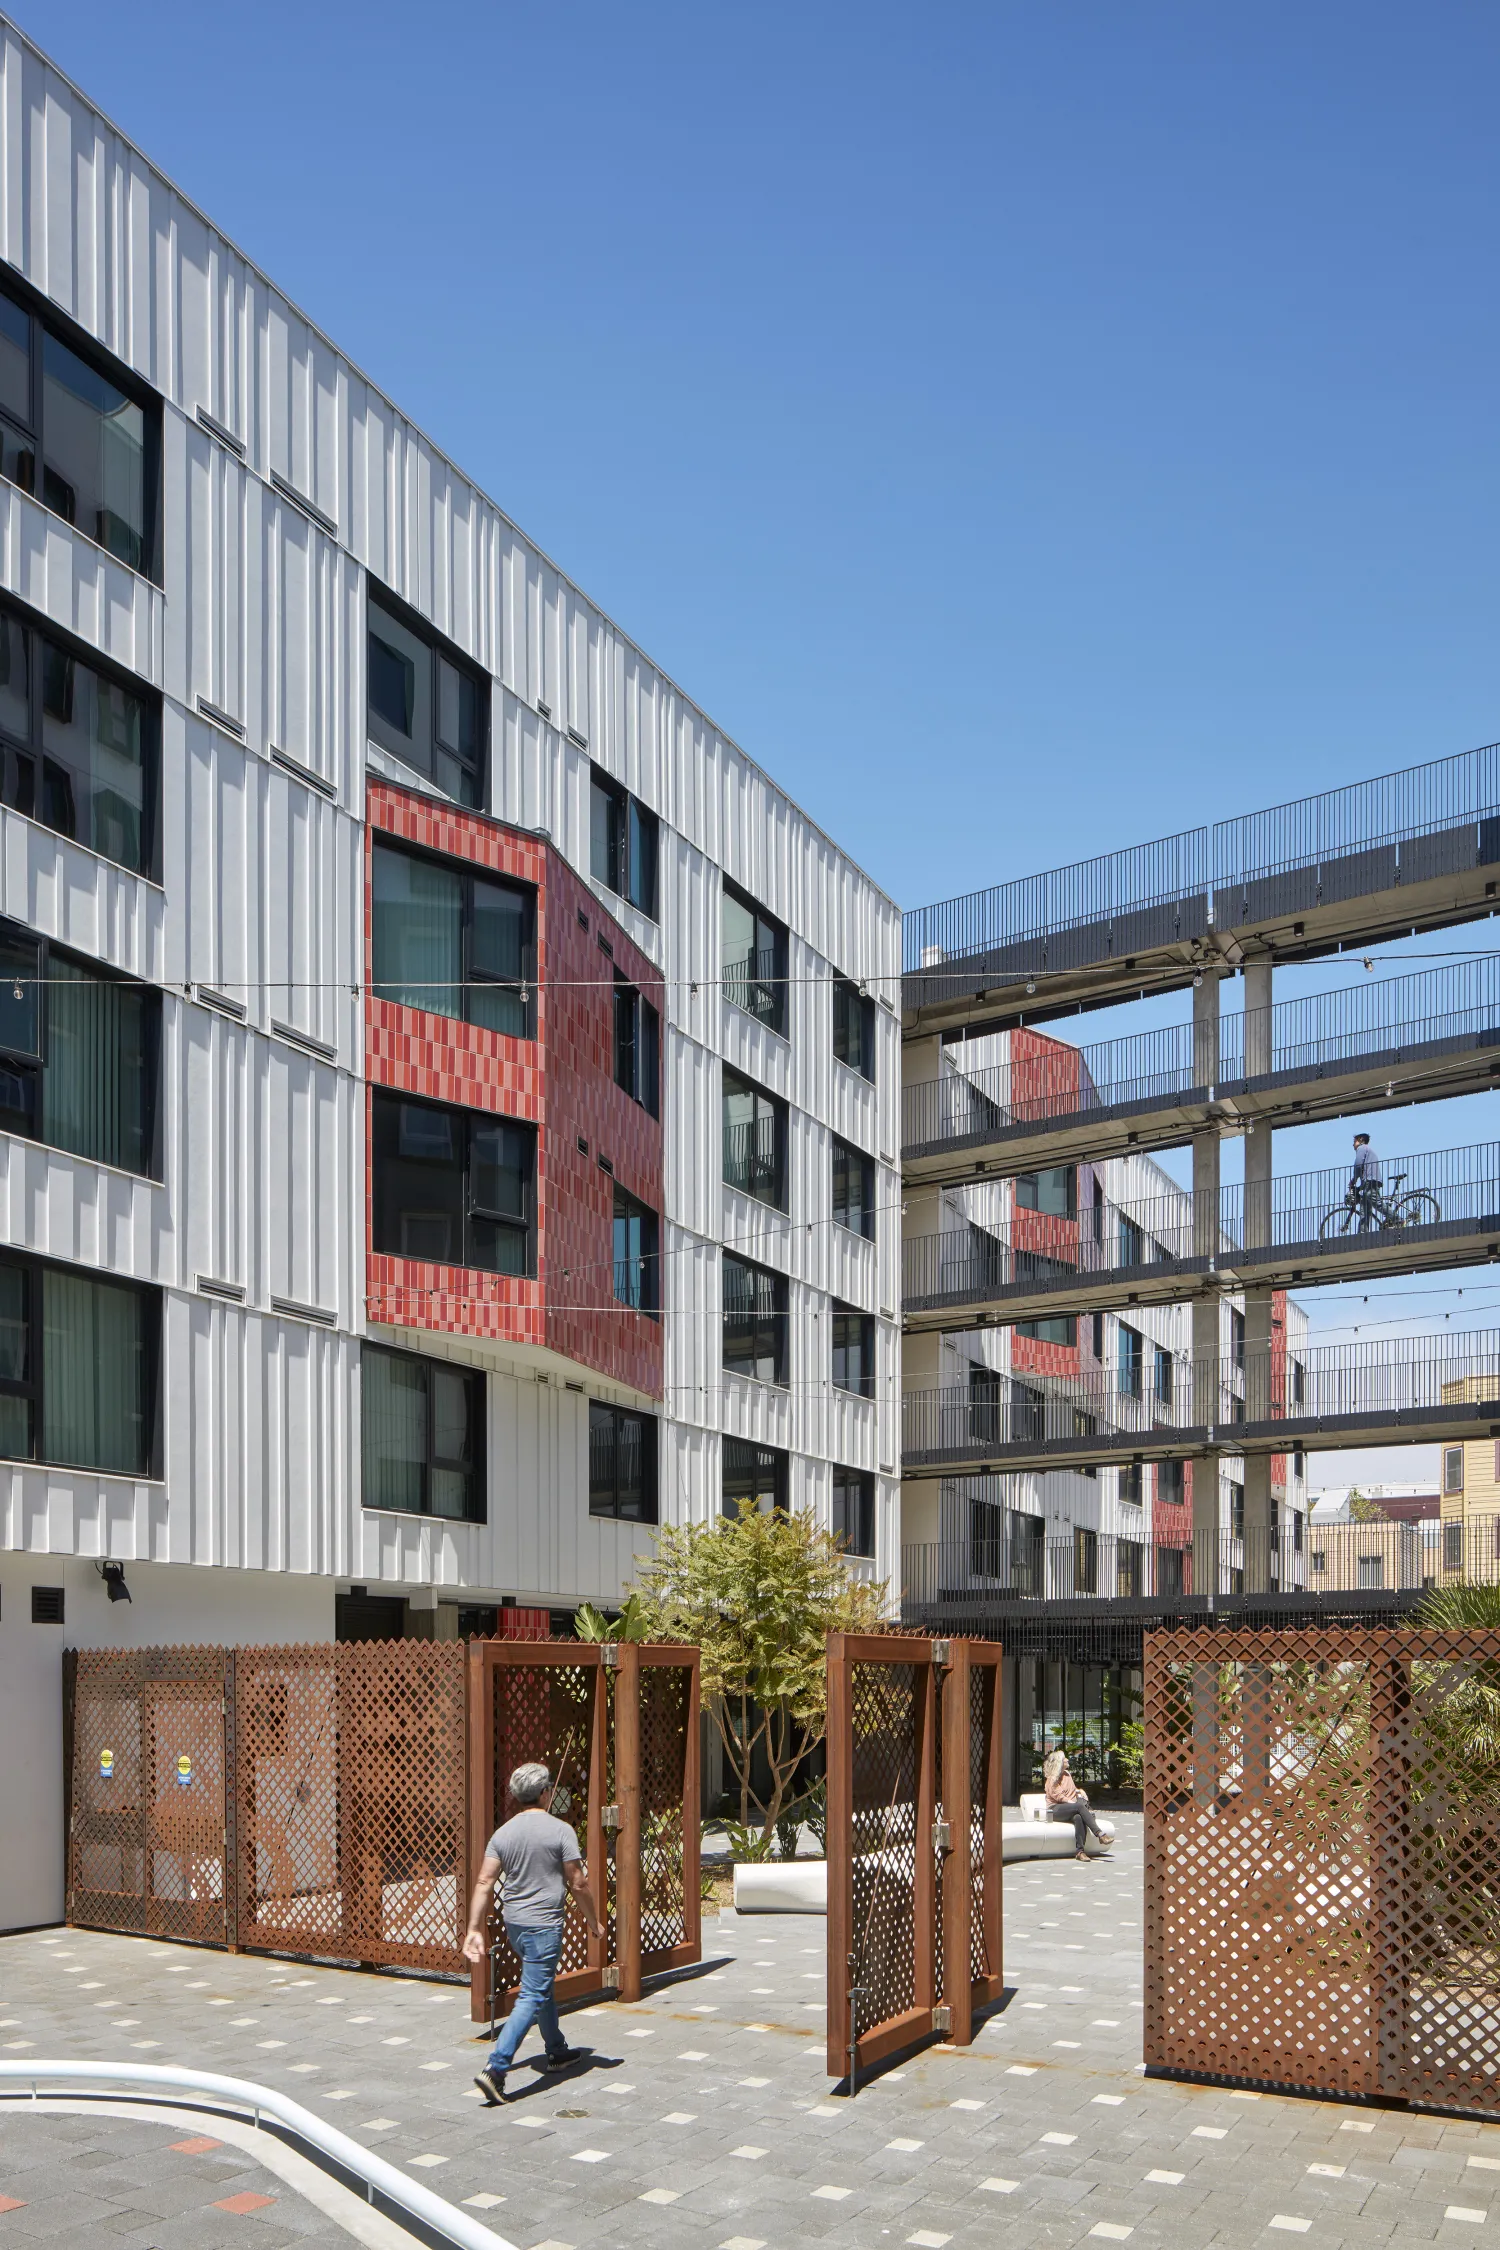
47, 1605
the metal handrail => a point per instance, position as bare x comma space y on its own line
381, 2180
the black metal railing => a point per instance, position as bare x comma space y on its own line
1406, 827
755, 1159
1397, 1020
757, 983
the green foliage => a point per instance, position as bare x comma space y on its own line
1129, 1758
1460, 1608
591, 1624
758, 1594
748, 1840
1362, 1510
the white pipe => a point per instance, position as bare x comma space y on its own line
407, 2195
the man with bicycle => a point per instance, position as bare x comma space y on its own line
1363, 1193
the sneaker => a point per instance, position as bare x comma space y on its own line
566, 2057
491, 2084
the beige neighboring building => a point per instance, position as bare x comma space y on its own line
1470, 1494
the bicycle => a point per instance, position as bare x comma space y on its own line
1381, 1213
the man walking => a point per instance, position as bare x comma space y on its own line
543, 1868
1364, 1181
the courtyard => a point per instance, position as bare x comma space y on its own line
705, 2119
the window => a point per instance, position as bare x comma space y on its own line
452, 942
637, 1047
1054, 1191
78, 1361
755, 1321
623, 844
79, 745
1171, 1483
1236, 1511
1370, 1571
1163, 1385
1097, 1320
1297, 1522
1237, 1338
1453, 1546
97, 436
1028, 1414
1132, 1484
1129, 1555
1453, 1468
1058, 1330
853, 1189
853, 1353
452, 1186
985, 1392
1299, 1383
1132, 1250
1318, 1563
854, 1510
755, 1129
622, 1464
1027, 1553
853, 1027
1168, 1572
754, 1476
1299, 1464
754, 955
428, 705
422, 1434
637, 1263
1085, 1560
78, 1054
1132, 1361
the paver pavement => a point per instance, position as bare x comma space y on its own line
706, 2122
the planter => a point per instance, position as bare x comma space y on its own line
781, 1886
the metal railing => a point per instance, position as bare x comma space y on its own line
1400, 1018
757, 983
755, 1160
1409, 826
1156, 1395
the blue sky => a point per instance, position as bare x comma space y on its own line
1026, 429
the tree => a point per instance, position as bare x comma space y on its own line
1362, 1510
757, 1593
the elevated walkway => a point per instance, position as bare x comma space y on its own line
1437, 1212
1414, 850
1354, 1050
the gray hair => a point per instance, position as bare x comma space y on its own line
529, 1784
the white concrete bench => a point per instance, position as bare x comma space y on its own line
800, 1886
1034, 1836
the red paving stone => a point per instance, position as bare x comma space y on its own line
199, 2146
9, 2203
241, 2204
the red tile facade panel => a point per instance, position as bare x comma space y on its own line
562, 1082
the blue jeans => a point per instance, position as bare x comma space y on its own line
537, 1947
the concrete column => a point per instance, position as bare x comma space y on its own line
1206, 1029
1257, 1018
1257, 1465
1206, 1572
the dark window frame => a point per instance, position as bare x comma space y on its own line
645, 1295
760, 986
32, 1387
475, 1380
1033, 1328
1164, 1377
390, 1098
624, 844
854, 1495
379, 596
30, 1065
635, 1043
46, 319
853, 1008
843, 1317
768, 1332
26, 792
1029, 1191
854, 1159
1132, 1360
608, 1507
758, 1174
764, 1468
473, 978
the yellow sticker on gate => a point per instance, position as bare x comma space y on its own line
184, 1771
106, 1765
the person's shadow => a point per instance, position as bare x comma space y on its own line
544, 2081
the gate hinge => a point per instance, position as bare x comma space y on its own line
942, 2019
942, 1840
610, 1976
942, 1652
609, 1655
610, 1817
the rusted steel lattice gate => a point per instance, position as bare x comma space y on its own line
333, 1801
1323, 1861
913, 1841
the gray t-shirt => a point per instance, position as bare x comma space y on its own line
533, 1849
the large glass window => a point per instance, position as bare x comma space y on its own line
78, 745
853, 1189
853, 1027
755, 1321
77, 1369
97, 436
78, 1054
755, 1133
454, 1187
754, 1477
427, 703
637, 1046
754, 957
1059, 1329
623, 844
853, 1351
423, 1435
622, 1464
637, 1264
1132, 1360
854, 1510
453, 942
1054, 1191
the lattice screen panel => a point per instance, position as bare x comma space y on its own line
981, 1696
544, 1713
885, 1703
664, 1705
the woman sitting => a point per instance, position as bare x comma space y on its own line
1066, 1801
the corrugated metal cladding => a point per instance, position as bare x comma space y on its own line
256, 641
